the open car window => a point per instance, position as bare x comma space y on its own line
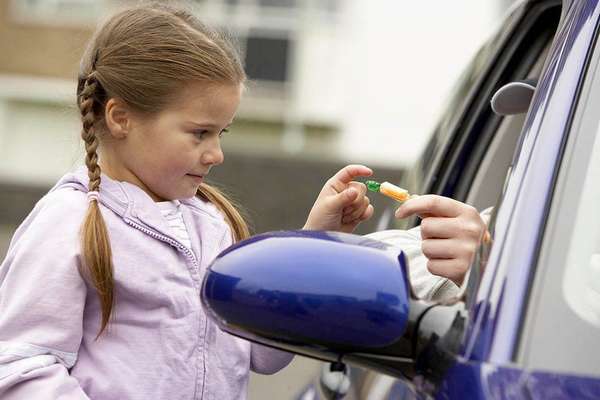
452, 162
489, 181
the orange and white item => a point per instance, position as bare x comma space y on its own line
393, 191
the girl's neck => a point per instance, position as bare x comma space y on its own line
122, 174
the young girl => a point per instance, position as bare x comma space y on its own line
100, 289
99, 292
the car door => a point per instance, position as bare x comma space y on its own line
532, 328
561, 327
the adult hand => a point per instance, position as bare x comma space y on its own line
342, 203
451, 232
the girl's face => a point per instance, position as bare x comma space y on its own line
169, 154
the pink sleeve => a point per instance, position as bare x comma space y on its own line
42, 383
267, 361
42, 298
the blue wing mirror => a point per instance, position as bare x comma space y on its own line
321, 294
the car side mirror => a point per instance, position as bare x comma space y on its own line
326, 295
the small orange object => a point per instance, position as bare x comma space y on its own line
393, 191
388, 189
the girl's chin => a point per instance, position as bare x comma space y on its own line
192, 192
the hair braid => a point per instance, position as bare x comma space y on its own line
239, 227
144, 55
95, 242
88, 133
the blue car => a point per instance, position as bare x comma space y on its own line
526, 324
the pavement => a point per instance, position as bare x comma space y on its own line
287, 383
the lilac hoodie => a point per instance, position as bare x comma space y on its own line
159, 344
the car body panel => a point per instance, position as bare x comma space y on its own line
474, 380
505, 285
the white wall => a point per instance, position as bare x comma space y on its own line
397, 62
379, 70
39, 129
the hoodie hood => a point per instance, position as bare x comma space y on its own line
137, 208
127, 199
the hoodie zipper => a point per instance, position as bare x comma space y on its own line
192, 258
183, 249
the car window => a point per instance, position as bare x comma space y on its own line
454, 162
581, 275
414, 181
487, 160
488, 182
456, 102
562, 326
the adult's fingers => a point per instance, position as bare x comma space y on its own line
431, 205
451, 269
445, 249
438, 227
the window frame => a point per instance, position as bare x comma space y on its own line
540, 346
504, 292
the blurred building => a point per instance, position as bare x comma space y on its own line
332, 82
346, 79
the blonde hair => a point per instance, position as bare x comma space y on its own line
143, 56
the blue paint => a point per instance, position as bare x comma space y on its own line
472, 380
504, 288
317, 287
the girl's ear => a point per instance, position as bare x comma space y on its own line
118, 118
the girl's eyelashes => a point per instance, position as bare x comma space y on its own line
201, 133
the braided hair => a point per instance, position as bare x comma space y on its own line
144, 55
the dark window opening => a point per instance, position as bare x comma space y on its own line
267, 58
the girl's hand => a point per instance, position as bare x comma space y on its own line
342, 203
451, 232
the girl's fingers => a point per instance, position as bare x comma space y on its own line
360, 203
367, 213
359, 207
360, 187
345, 175
342, 200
